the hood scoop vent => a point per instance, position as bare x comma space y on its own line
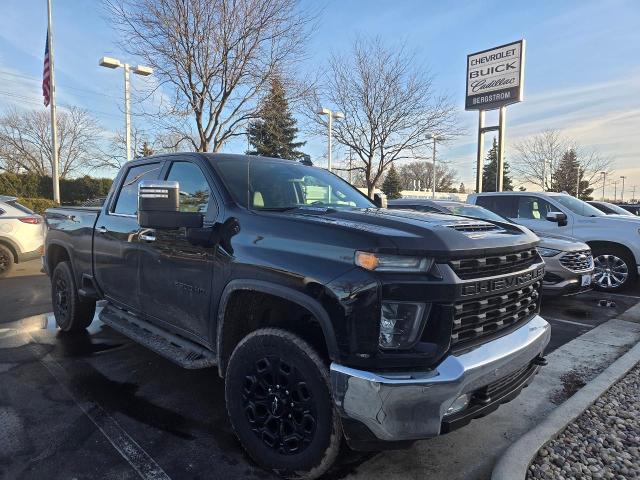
475, 227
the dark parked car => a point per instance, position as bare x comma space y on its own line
568, 261
330, 319
611, 208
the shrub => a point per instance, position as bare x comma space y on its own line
38, 205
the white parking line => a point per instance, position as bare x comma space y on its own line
552, 319
126, 446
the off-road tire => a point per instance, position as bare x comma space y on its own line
72, 313
283, 351
6, 261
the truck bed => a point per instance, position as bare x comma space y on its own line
72, 228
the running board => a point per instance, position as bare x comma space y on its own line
180, 351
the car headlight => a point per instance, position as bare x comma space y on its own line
392, 263
400, 324
548, 252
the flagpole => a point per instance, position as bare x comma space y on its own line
54, 125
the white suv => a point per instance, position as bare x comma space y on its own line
21, 234
615, 241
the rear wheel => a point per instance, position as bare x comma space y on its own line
6, 261
614, 268
280, 404
72, 313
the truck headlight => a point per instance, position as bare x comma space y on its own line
392, 263
547, 252
400, 324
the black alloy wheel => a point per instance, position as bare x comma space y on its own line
279, 405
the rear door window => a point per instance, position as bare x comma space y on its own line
504, 205
127, 201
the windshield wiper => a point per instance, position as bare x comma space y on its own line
275, 209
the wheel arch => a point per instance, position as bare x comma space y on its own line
56, 253
12, 247
227, 339
593, 244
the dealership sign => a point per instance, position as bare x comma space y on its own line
495, 77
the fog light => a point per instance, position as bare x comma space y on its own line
458, 404
400, 324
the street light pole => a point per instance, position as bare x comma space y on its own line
433, 171
127, 111
622, 191
331, 116
615, 191
604, 181
138, 70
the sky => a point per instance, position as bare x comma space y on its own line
582, 72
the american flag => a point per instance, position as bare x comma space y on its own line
46, 79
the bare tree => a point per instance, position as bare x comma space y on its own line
25, 141
215, 56
421, 173
538, 158
389, 106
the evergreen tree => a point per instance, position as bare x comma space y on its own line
565, 177
489, 172
392, 184
273, 134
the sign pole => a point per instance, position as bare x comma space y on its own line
501, 133
480, 157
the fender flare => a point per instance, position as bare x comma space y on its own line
62, 245
305, 301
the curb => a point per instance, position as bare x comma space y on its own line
515, 461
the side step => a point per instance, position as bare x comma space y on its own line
179, 350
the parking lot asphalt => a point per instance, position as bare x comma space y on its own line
97, 405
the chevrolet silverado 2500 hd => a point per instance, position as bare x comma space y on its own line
330, 319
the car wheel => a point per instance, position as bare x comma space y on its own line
71, 312
614, 269
279, 401
6, 261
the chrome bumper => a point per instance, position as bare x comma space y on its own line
411, 406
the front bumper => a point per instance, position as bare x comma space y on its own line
412, 405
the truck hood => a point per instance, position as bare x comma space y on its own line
417, 232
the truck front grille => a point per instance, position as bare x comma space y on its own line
483, 317
577, 261
479, 267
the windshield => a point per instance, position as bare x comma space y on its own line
578, 206
262, 184
477, 212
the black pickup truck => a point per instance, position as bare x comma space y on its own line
330, 318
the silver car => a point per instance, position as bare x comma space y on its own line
568, 261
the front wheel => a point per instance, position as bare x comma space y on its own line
614, 269
279, 401
72, 313
6, 261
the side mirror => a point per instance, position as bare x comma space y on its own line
380, 200
558, 217
159, 206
